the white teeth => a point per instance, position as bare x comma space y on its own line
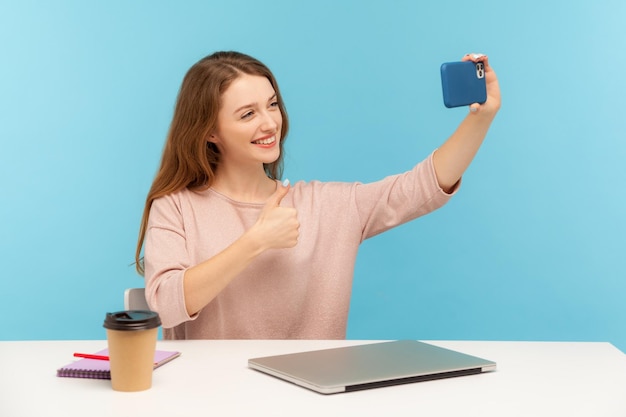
265, 141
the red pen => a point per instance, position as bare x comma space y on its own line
90, 356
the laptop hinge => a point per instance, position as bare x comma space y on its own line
411, 379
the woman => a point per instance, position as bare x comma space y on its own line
231, 252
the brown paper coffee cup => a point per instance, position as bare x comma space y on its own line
132, 337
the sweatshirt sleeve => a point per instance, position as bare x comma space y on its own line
400, 198
166, 259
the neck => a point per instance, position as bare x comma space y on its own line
252, 186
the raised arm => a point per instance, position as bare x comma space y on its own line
454, 156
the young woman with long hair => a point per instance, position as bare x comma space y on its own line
230, 251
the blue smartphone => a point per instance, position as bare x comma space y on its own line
463, 83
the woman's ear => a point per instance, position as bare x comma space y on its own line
212, 138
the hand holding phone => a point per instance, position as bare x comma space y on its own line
463, 83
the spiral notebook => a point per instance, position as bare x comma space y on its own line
100, 369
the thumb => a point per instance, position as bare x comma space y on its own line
279, 194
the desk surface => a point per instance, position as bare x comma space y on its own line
211, 378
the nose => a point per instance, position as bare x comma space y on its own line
271, 121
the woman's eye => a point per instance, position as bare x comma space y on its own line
247, 115
274, 104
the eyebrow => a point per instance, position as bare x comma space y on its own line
252, 104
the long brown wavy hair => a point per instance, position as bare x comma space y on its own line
189, 160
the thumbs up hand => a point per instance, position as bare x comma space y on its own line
278, 226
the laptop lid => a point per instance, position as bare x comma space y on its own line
353, 368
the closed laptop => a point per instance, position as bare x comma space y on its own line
365, 366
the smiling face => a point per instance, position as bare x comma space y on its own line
249, 123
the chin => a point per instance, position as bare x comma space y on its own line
271, 159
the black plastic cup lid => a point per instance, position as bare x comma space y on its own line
132, 320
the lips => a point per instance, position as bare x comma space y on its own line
267, 140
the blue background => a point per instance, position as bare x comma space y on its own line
532, 248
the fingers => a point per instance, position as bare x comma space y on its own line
278, 227
474, 57
279, 194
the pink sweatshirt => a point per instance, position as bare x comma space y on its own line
297, 293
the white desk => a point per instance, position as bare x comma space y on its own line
211, 378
